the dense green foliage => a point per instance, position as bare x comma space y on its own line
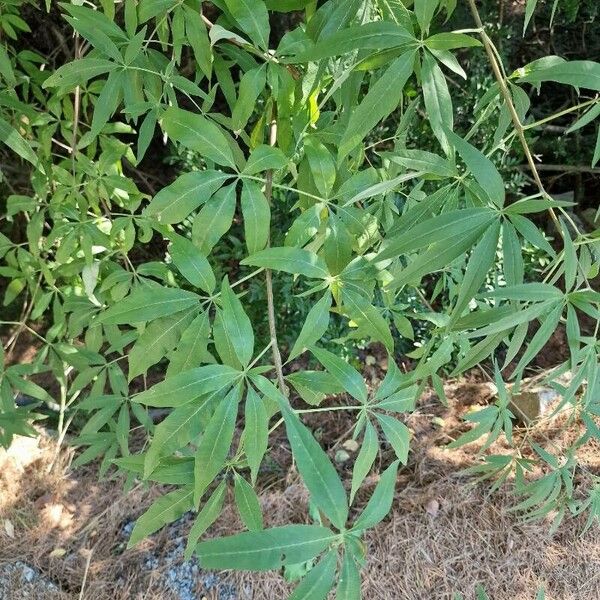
128, 279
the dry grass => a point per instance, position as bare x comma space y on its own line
445, 535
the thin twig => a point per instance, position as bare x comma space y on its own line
76, 105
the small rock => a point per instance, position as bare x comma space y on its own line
341, 457
351, 445
432, 507
9, 528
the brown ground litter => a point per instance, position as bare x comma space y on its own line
445, 533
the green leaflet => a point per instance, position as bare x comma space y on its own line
391, 382
192, 264
197, 37
401, 401
198, 133
348, 377
152, 8
264, 158
349, 576
420, 160
257, 216
291, 260
424, 11
106, 105
79, 72
192, 348
172, 470
215, 443
265, 550
206, 517
365, 459
480, 262
165, 510
578, 73
437, 100
542, 335
247, 504
367, 317
376, 35
527, 292
315, 326
481, 167
381, 501
256, 431
214, 219
529, 10
189, 191
13, 139
180, 427
223, 344
382, 98
251, 86
450, 41
159, 338
253, 19
322, 165
438, 257
236, 324
317, 471
319, 580
337, 249
514, 269
397, 434
313, 386
187, 386
146, 303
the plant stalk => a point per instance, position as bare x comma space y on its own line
268, 278
487, 43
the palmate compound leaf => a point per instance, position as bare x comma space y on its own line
267, 549
215, 443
